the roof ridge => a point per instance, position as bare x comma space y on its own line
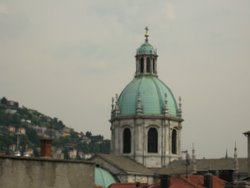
105, 158
110, 161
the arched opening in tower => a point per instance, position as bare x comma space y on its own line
152, 140
141, 65
174, 141
126, 140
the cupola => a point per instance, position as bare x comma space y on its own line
146, 58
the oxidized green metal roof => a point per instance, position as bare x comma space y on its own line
103, 177
146, 48
152, 93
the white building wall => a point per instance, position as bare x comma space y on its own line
139, 138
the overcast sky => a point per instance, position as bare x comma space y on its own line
67, 59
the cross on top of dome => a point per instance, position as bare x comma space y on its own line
146, 34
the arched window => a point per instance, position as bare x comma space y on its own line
141, 65
152, 140
126, 140
174, 141
148, 65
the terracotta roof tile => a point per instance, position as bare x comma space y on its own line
177, 182
127, 185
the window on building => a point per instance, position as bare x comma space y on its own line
152, 140
174, 141
153, 65
141, 65
126, 140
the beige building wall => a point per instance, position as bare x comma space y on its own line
45, 173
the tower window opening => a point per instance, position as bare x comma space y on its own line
126, 141
153, 65
152, 140
141, 65
148, 65
174, 141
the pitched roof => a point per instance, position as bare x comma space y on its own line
177, 182
127, 185
195, 181
179, 167
123, 163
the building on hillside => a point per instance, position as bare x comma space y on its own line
146, 121
21, 130
11, 129
65, 132
10, 111
6, 102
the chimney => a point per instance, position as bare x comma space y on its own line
208, 180
137, 185
248, 151
46, 150
165, 181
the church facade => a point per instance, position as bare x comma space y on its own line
146, 120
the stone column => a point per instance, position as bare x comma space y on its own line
145, 64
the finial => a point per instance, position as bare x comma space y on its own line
165, 107
146, 34
193, 151
194, 168
236, 162
235, 150
117, 109
179, 110
139, 109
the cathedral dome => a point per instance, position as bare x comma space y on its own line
153, 95
103, 177
146, 94
146, 48
145, 117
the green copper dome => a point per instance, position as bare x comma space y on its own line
146, 94
146, 49
152, 92
103, 177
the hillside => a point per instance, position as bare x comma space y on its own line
21, 129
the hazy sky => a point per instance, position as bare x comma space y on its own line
67, 59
